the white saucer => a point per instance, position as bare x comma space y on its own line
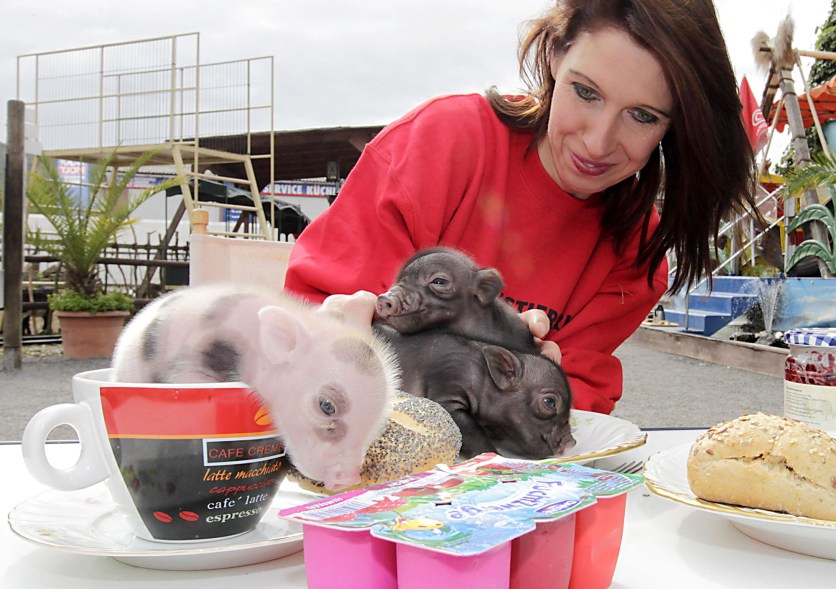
598, 435
88, 522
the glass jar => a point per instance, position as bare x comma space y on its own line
810, 377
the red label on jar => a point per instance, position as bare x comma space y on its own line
812, 367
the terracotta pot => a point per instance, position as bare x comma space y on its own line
90, 335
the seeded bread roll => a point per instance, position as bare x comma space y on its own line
418, 435
766, 462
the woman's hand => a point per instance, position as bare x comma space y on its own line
356, 309
538, 325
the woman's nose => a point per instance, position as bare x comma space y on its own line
601, 137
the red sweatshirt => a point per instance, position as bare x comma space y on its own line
451, 173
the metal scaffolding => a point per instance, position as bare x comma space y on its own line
155, 95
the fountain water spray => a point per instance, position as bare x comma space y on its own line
768, 291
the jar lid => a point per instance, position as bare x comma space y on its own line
811, 336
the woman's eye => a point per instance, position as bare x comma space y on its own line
644, 117
585, 92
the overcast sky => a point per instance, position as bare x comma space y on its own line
349, 63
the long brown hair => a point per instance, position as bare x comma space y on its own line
703, 168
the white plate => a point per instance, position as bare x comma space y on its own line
666, 475
88, 522
599, 435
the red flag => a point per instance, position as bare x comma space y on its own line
753, 121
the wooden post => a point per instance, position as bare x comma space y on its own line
199, 221
144, 290
13, 236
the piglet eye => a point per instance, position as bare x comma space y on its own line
547, 406
441, 285
327, 406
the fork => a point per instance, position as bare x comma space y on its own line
633, 467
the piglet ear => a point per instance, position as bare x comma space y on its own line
281, 335
488, 286
503, 366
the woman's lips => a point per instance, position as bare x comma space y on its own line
589, 168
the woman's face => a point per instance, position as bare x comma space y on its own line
610, 109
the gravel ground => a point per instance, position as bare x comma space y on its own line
660, 389
44, 379
667, 390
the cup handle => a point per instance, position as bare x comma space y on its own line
90, 467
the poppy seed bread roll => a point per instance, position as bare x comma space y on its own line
766, 462
419, 434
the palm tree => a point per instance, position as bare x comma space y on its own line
820, 172
84, 230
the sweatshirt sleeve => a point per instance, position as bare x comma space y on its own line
588, 341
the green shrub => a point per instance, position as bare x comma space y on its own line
70, 300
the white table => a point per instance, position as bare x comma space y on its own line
665, 545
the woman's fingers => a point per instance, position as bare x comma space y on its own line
356, 309
538, 325
550, 350
537, 321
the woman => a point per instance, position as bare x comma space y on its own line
629, 100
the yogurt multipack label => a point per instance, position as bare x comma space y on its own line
469, 508
600, 483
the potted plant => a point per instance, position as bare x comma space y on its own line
90, 318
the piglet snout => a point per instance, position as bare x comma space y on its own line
337, 480
387, 305
565, 444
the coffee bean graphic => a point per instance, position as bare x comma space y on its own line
175, 483
163, 517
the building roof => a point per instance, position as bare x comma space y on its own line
297, 154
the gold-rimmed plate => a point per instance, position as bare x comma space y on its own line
599, 435
666, 475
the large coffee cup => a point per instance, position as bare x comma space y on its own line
184, 462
